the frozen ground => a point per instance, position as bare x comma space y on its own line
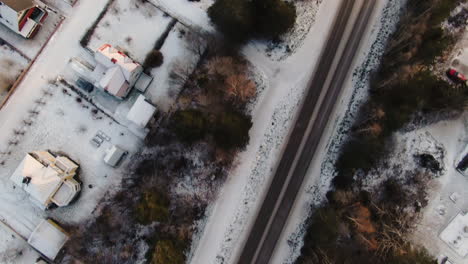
51, 128
229, 217
175, 51
132, 25
321, 170
13, 249
60, 5
39, 116
31, 47
11, 65
451, 136
191, 14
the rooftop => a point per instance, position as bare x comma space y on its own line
19, 5
48, 238
456, 234
141, 112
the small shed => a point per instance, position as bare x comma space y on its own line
114, 155
141, 112
48, 238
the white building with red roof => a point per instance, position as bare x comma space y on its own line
22, 16
115, 72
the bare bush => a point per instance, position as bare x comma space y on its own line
197, 42
240, 88
5, 82
232, 78
180, 72
222, 67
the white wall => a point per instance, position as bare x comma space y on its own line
9, 17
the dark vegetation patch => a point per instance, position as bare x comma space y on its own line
429, 162
186, 158
403, 88
357, 226
154, 59
368, 227
240, 20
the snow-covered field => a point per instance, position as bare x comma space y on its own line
11, 65
445, 140
175, 51
229, 217
13, 249
448, 193
64, 124
60, 123
321, 170
42, 116
191, 14
31, 47
132, 25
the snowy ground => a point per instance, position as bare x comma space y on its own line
62, 124
41, 116
321, 170
451, 138
191, 14
131, 25
11, 65
31, 47
161, 92
228, 218
13, 249
59, 4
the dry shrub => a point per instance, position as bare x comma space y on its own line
230, 76
5, 83
240, 88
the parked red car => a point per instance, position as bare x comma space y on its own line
456, 76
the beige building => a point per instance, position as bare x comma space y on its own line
47, 179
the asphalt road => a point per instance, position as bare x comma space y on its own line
324, 89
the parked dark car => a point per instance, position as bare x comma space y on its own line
84, 85
456, 76
463, 164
